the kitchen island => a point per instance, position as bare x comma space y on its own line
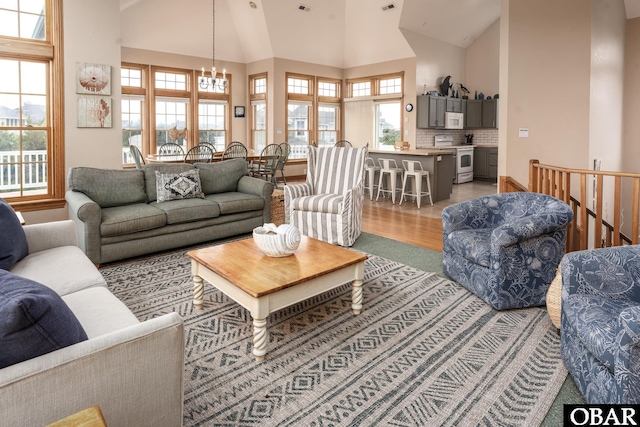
439, 163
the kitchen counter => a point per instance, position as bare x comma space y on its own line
439, 163
418, 152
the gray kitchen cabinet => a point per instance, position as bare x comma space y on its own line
431, 111
480, 163
454, 105
473, 118
492, 163
489, 113
485, 163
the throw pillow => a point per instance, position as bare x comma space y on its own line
13, 244
34, 320
185, 185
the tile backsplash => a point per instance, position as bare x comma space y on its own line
425, 137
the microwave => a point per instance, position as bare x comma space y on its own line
453, 120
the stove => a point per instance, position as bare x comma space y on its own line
462, 160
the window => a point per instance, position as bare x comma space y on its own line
361, 89
387, 124
313, 112
171, 122
31, 176
386, 94
328, 124
258, 111
131, 127
211, 120
132, 79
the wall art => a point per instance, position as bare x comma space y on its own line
94, 112
93, 79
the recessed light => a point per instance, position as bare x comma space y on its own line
253, 5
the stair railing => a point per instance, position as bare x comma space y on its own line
556, 181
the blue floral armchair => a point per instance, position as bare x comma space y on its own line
600, 323
505, 248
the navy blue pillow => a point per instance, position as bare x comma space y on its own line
34, 320
13, 241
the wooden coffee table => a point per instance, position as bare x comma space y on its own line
263, 284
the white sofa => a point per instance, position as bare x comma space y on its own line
132, 370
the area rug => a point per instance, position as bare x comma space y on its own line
424, 352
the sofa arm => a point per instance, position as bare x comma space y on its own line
135, 376
258, 187
524, 228
50, 235
87, 215
627, 361
605, 271
292, 192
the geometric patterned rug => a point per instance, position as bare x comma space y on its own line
423, 352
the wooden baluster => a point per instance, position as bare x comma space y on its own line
584, 220
533, 175
598, 228
634, 223
616, 211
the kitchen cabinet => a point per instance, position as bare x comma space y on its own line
492, 161
473, 118
431, 111
489, 113
454, 105
480, 164
439, 163
485, 163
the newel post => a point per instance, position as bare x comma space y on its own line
533, 175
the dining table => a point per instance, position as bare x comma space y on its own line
179, 158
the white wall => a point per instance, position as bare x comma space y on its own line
545, 85
483, 62
88, 41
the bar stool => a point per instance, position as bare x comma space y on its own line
413, 169
388, 169
371, 169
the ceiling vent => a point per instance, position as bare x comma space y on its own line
388, 7
304, 8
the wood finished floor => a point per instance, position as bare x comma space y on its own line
417, 227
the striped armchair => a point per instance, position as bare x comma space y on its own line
328, 206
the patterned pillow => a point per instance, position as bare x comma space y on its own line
185, 185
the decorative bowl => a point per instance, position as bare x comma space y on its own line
278, 241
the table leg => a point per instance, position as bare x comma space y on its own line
259, 339
356, 296
198, 291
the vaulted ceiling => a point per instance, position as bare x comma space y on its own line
339, 33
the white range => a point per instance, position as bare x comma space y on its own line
462, 160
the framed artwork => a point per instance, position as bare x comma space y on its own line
93, 79
94, 112
239, 111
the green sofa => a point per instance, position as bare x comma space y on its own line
118, 215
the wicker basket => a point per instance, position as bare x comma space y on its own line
277, 207
554, 301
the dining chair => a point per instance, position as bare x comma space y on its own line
265, 166
171, 148
286, 150
137, 156
235, 150
343, 143
199, 153
208, 144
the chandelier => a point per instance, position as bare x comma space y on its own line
213, 81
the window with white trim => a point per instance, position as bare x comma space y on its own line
258, 111
211, 122
387, 124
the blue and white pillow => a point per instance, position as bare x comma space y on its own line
185, 185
